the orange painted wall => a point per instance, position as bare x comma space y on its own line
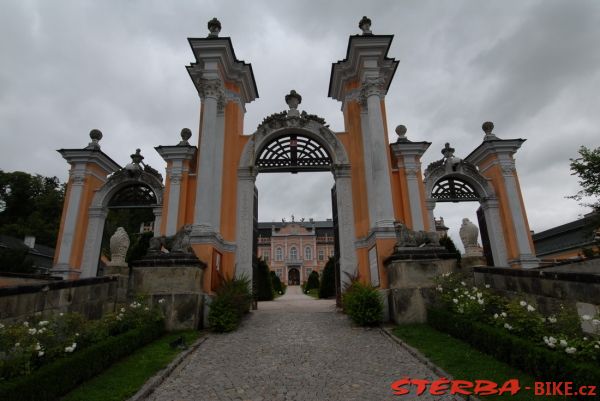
62, 220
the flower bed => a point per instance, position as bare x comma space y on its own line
549, 347
43, 359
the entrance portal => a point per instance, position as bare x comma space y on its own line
293, 276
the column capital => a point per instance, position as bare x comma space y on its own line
211, 88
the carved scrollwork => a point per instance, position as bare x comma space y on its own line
212, 88
372, 86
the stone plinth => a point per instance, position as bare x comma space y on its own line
174, 282
411, 285
467, 263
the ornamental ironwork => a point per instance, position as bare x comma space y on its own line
452, 189
133, 196
293, 153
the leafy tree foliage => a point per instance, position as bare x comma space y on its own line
276, 282
587, 168
264, 284
447, 243
30, 205
327, 288
312, 282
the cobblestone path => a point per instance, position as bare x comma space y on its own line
294, 348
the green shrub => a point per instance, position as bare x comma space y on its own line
276, 283
312, 282
264, 284
139, 247
447, 243
232, 301
544, 364
59, 377
327, 287
363, 304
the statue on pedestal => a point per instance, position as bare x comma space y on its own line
119, 244
468, 235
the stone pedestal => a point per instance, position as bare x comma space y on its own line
467, 263
122, 274
411, 286
174, 283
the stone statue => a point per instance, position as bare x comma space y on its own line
178, 243
450, 161
468, 235
410, 238
119, 243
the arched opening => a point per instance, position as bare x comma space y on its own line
462, 183
296, 144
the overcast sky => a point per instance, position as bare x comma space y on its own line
531, 67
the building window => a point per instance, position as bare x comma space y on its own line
279, 254
331, 252
265, 255
321, 254
278, 273
293, 253
308, 271
308, 253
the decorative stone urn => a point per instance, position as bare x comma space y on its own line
119, 243
468, 235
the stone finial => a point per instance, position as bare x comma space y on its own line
448, 151
136, 159
186, 134
365, 26
401, 132
214, 26
95, 135
468, 235
488, 127
293, 99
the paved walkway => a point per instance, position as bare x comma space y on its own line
294, 348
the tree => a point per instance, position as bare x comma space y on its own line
16, 260
587, 168
276, 282
264, 285
327, 288
447, 243
312, 282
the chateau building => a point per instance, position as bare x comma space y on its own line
294, 249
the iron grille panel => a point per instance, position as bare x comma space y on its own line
454, 190
293, 153
133, 196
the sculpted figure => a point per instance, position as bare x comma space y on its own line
468, 235
119, 243
178, 243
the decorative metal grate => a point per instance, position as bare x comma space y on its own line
133, 196
454, 190
293, 153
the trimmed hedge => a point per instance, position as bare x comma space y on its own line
58, 378
542, 363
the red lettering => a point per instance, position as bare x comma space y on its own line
568, 388
539, 388
461, 387
485, 387
511, 386
440, 386
556, 388
421, 385
398, 386
591, 390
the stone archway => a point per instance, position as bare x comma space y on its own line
313, 128
98, 210
455, 180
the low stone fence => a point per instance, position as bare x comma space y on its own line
91, 297
549, 287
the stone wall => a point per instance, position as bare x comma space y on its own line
549, 288
92, 297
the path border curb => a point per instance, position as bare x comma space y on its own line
156, 380
387, 331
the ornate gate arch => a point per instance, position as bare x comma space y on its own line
455, 180
293, 142
131, 176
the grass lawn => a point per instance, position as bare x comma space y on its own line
123, 379
464, 362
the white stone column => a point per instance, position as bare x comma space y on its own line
157, 220
367, 157
76, 182
93, 242
412, 168
526, 254
175, 176
217, 186
495, 235
430, 205
345, 211
371, 92
245, 221
211, 91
